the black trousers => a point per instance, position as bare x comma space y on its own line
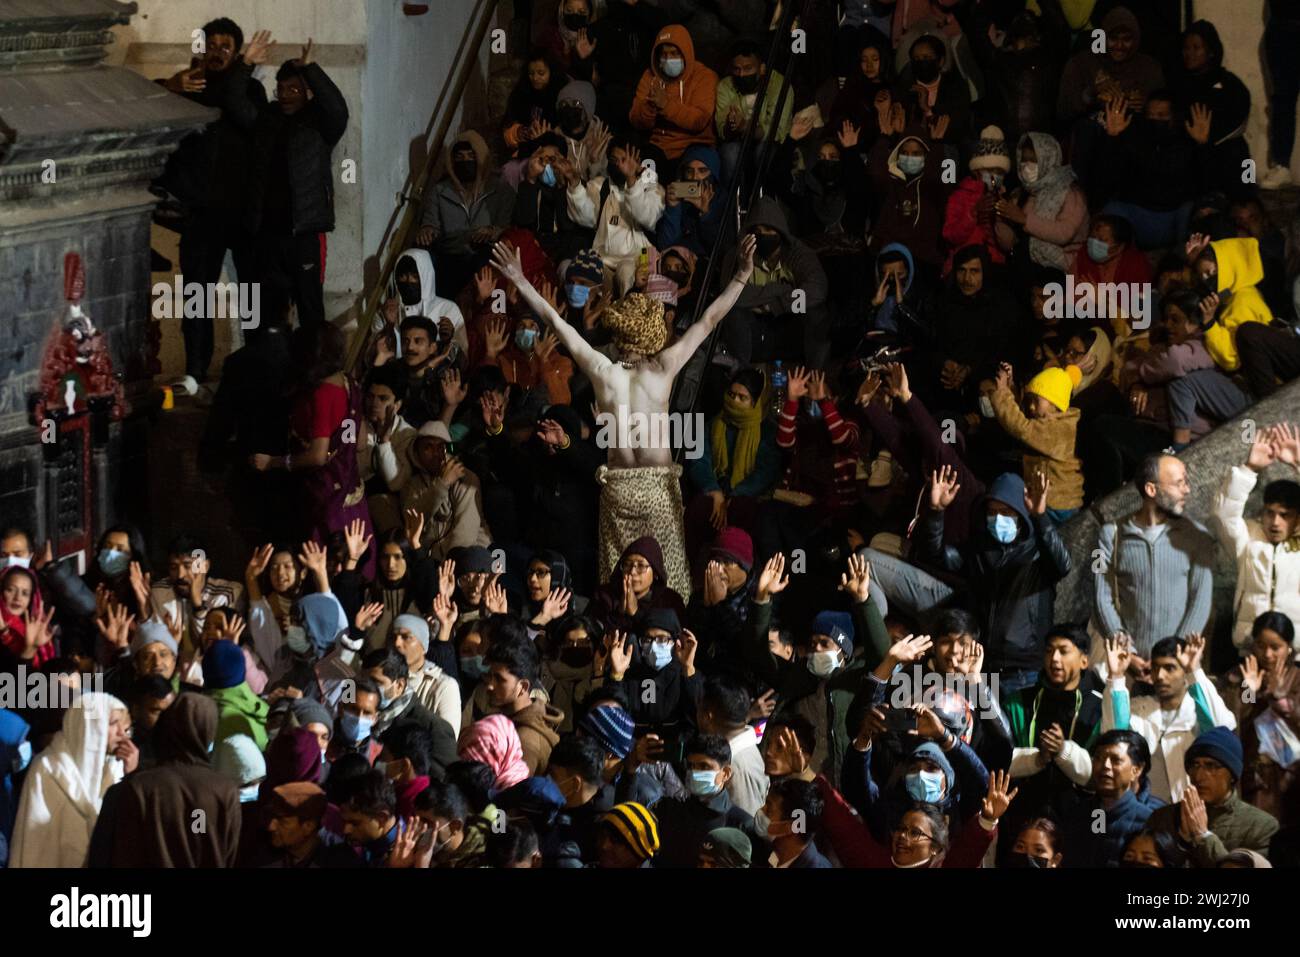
291, 272
1268, 354
205, 237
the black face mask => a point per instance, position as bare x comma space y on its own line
680, 279
1207, 285
616, 177
466, 170
746, 85
1021, 860
572, 118
576, 656
767, 245
575, 21
410, 292
827, 172
925, 71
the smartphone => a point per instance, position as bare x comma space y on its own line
685, 189
900, 720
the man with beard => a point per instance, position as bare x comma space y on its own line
1152, 574
209, 173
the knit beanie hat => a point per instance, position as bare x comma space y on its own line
306, 711
736, 545
586, 265
473, 558
663, 619
1221, 745
612, 727
416, 625
991, 151
838, 627
636, 826
223, 665
1056, 385
153, 632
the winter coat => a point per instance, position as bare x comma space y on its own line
1082, 844
961, 226
1240, 270
687, 118
537, 725
798, 268
455, 209
1233, 825
1049, 443
911, 209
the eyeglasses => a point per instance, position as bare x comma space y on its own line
912, 836
636, 568
538, 572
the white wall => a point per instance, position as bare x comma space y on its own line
1241, 28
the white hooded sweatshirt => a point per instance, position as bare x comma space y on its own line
430, 304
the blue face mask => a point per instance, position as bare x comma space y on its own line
814, 409
672, 66
1097, 250
113, 562
473, 667
548, 175
658, 655
354, 727
911, 165
577, 295
248, 794
525, 338
925, 786
23, 757
703, 783
1003, 528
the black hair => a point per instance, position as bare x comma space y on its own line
1187, 301
798, 795
1277, 622
513, 845
712, 746
891, 256
520, 658
289, 69
1075, 633
413, 742
1148, 471
1134, 743
373, 795
185, 545
154, 687
364, 684
728, 698
783, 635
1164, 95
751, 379
139, 550
584, 756
388, 659
411, 323
1049, 828
1284, 492
445, 800
1169, 647
1121, 227
956, 621
744, 46
343, 777
475, 780
1168, 849
938, 823
227, 26
558, 630
803, 729
934, 43
318, 352
486, 378
392, 376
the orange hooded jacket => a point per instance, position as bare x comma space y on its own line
687, 118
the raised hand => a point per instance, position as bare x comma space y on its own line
555, 606
1036, 490
1193, 821
495, 338
1195, 244
413, 527
447, 578
928, 724
1252, 677
410, 849
943, 488
897, 382
772, 580
1005, 376
1193, 651
1260, 456
453, 470
368, 614
1118, 655
909, 650
1284, 439
715, 584
1117, 118
857, 580
1198, 125
485, 282
796, 385
507, 260
763, 707
316, 559
745, 259
685, 647
801, 127
546, 346
999, 797
784, 748
257, 563
938, 126
454, 391
867, 391
493, 409
817, 386
358, 540
620, 654
258, 49
115, 625
192, 80
445, 614
848, 135
305, 57
494, 598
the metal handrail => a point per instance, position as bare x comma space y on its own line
400, 222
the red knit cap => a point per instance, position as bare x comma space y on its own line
736, 544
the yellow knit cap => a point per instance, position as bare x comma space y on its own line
1056, 385
637, 826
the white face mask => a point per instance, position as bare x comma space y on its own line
908, 867
1028, 173
248, 794
22, 561
823, 663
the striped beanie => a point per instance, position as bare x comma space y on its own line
637, 826
612, 727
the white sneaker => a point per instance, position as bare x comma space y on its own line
882, 471
1277, 177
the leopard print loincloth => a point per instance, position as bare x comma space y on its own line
644, 501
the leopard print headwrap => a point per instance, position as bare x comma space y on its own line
637, 324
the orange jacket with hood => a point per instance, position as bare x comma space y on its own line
687, 117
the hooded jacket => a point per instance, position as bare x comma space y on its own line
148, 819
1219, 89
15, 753
1049, 447
1013, 586
431, 305
1240, 271
911, 209
65, 786
240, 712
1087, 73
682, 224
797, 267
622, 222
454, 209
537, 726
687, 117
961, 225
607, 603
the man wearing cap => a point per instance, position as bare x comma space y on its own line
438, 491
726, 847
316, 718
642, 492
294, 816
432, 687
627, 774
1211, 819
240, 711
1047, 428
153, 651
628, 837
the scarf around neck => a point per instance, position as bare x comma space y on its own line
748, 424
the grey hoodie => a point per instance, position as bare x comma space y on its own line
797, 262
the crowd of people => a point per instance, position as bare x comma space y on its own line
878, 257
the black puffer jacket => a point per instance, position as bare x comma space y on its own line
312, 133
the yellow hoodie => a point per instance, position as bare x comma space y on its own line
1240, 271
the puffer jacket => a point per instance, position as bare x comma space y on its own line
454, 209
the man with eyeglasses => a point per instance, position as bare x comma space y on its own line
473, 575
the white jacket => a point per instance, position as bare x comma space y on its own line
1268, 576
390, 460
1168, 733
439, 692
65, 787
628, 211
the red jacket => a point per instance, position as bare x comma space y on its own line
687, 118
961, 227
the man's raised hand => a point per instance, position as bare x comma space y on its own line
745, 262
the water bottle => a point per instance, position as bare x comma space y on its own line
778, 383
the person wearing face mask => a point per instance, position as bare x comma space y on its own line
928, 91
458, 835
399, 708
911, 196
464, 212
50, 583
568, 673
1052, 211
685, 822
1240, 335
531, 359
968, 219
355, 723
541, 200
416, 283
15, 756
1011, 565
1110, 256
370, 819
676, 96
239, 759
662, 654
1037, 846
790, 818
737, 98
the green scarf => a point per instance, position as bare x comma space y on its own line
748, 424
